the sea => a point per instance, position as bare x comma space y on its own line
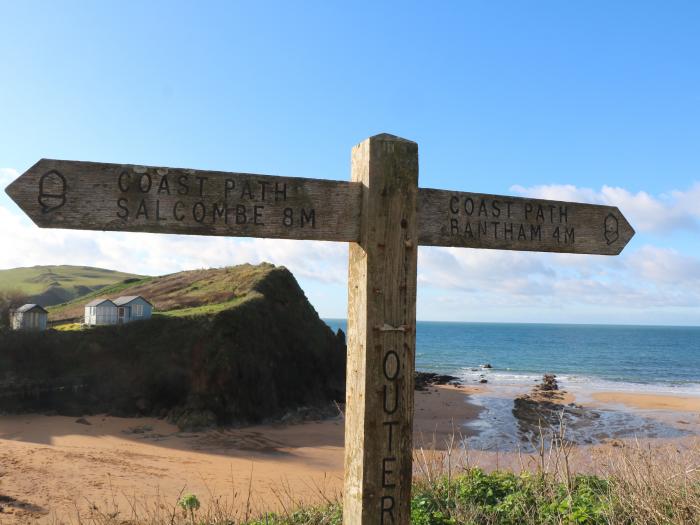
585, 359
659, 359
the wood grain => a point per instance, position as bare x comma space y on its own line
474, 220
381, 335
123, 197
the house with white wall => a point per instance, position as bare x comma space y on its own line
120, 311
132, 308
100, 312
29, 317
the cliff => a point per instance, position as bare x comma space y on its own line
265, 353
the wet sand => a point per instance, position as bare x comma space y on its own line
649, 401
54, 469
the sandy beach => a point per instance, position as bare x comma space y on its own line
649, 401
54, 469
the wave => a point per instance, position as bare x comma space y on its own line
516, 379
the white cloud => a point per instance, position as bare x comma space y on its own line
646, 278
454, 283
666, 266
676, 210
24, 245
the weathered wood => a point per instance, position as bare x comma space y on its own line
474, 220
123, 197
381, 335
94, 196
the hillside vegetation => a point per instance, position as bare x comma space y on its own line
264, 353
50, 285
195, 292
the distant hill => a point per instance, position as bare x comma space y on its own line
181, 294
50, 285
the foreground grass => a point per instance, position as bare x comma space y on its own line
504, 498
637, 485
476, 497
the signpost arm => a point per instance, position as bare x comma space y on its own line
381, 335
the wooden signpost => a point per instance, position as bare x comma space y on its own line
384, 216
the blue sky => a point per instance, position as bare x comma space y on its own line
595, 101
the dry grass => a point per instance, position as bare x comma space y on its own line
625, 483
654, 484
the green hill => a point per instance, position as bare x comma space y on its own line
179, 294
50, 285
261, 351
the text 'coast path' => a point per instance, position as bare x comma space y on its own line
122, 197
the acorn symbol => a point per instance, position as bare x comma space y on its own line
52, 191
611, 228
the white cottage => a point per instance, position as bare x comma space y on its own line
29, 317
132, 308
100, 312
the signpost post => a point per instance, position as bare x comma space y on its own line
384, 216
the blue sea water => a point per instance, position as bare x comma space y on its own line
598, 357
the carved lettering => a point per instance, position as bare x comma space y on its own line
183, 185
309, 217
390, 434
199, 212
124, 181
201, 181
388, 373
257, 215
387, 509
387, 408
220, 211
145, 187
386, 472
229, 186
142, 210
124, 213
164, 185
529, 222
177, 212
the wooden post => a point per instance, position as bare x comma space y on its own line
381, 335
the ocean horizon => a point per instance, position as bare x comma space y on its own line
585, 357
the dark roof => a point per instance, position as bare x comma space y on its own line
30, 307
126, 299
97, 302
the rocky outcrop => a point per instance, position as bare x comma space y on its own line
425, 379
542, 412
259, 359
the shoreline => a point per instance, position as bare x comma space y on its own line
54, 466
649, 401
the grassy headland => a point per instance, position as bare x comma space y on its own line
191, 293
242, 344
